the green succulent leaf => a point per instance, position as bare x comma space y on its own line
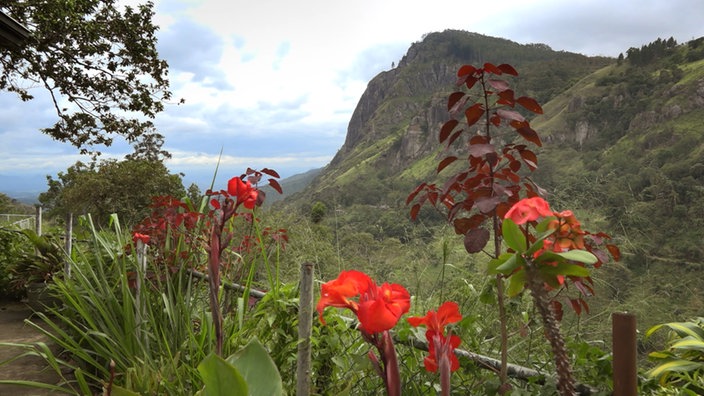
513, 235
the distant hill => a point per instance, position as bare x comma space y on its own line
623, 137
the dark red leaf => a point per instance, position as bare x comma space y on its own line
444, 163
506, 98
466, 70
530, 104
446, 129
471, 81
510, 115
415, 192
487, 205
414, 211
508, 69
271, 173
455, 100
615, 252
576, 306
530, 135
467, 223
478, 139
490, 68
474, 113
585, 305
498, 85
275, 185
475, 240
530, 159
454, 137
495, 120
480, 150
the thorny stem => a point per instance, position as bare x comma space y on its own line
565, 380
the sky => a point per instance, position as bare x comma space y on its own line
273, 83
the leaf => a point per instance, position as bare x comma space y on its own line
682, 328
415, 192
516, 283
689, 343
506, 98
474, 113
444, 163
480, 150
513, 235
475, 240
576, 306
511, 264
615, 252
455, 101
271, 173
581, 256
530, 135
490, 68
510, 115
680, 366
258, 369
446, 129
495, 263
454, 137
530, 104
414, 211
466, 70
221, 378
464, 224
273, 183
508, 69
565, 269
529, 158
498, 85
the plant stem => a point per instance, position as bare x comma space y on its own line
565, 381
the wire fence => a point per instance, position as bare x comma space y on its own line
19, 221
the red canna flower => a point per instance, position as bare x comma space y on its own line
140, 237
382, 306
441, 347
528, 209
448, 313
245, 193
337, 292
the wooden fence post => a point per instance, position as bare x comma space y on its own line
305, 326
624, 349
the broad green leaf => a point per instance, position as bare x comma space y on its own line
513, 235
689, 343
542, 227
565, 269
495, 263
679, 366
582, 256
682, 328
513, 262
221, 378
516, 283
258, 369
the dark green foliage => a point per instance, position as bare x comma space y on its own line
101, 57
122, 187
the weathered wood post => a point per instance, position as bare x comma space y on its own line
624, 349
305, 326
68, 244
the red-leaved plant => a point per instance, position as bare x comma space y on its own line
495, 137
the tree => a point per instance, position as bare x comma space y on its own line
98, 61
122, 187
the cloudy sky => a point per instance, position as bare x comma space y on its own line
273, 83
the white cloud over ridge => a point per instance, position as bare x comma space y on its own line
274, 83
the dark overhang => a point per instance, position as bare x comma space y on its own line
12, 33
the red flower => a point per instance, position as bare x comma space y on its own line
439, 346
378, 308
140, 237
445, 346
337, 292
245, 193
528, 209
381, 307
448, 312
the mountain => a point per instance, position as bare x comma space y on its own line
623, 137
